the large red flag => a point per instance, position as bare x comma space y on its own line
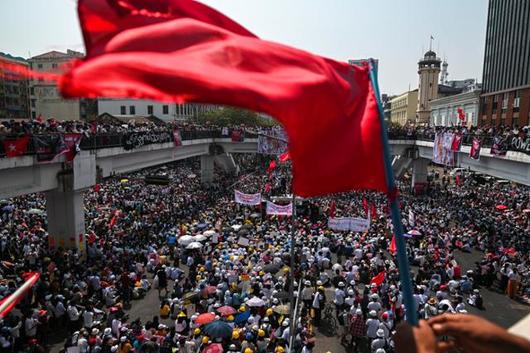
16, 147
184, 51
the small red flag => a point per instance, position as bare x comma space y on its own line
378, 280
332, 208
16, 147
272, 166
97, 188
284, 157
373, 211
267, 187
392, 248
365, 206
457, 180
184, 51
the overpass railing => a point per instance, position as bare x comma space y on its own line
110, 140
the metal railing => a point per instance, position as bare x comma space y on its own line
110, 140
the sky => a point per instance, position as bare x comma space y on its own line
396, 32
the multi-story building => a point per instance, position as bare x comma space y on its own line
444, 111
505, 95
387, 107
46, 99
403, 108
163, 111
429, 71
14, 89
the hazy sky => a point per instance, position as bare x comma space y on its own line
394, 31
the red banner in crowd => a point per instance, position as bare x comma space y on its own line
457, 142
16, 147
71, 145
272, 166
237, 135
177, 139
279, 210
474, 153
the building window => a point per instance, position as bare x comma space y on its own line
122, 110
132, 110
165, 109
33, 115
32, 91
54, 65
516, 101
39, 66
505, 102
150, 110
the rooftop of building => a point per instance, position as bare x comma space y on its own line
55, 54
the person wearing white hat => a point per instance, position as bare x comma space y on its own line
380, 341
307, 294
372, 324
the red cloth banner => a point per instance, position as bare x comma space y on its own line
284, 157
177, 139
183, 51
279, 210
457, 142
71, 145
475, 149
16, 147
392, 248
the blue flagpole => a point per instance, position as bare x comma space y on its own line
403, 263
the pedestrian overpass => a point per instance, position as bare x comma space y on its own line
64, 183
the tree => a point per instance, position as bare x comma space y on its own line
230, 116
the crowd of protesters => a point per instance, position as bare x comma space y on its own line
222, 270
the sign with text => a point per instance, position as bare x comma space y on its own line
247, 199
355, 224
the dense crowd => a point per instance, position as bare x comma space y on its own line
221, 270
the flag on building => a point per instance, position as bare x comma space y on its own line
189, 52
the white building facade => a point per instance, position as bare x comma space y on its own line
444, 111
164, 111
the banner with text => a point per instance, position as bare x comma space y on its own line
279, 210
247, 199
138, 139
274, 145
355, 224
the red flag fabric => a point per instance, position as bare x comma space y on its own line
457, 180
332, 208
373, 211
284, 157
16, 147
365, 206
97, 188
392, 248
267, 187
378, 280
30, 279
272, 166
184, 51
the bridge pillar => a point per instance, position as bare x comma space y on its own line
419, 174
207, 168
66, 217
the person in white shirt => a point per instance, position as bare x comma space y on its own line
372, 324
374, 303
339, 297
73, 317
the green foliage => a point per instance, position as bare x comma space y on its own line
230, 116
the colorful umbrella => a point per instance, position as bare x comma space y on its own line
242, 317
282, 309
414, 233
205, 318
226, 310
501, 207
255, 302
213, 348
218, 329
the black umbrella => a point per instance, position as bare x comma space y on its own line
271, 268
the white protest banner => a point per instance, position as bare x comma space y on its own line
279, 210
243, 241
247, 199
355, 224
412, 219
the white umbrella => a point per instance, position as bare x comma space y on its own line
199, 237
236, 227
194, 245
255, 302
336, 267
185, 240
414, 232
209, 233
